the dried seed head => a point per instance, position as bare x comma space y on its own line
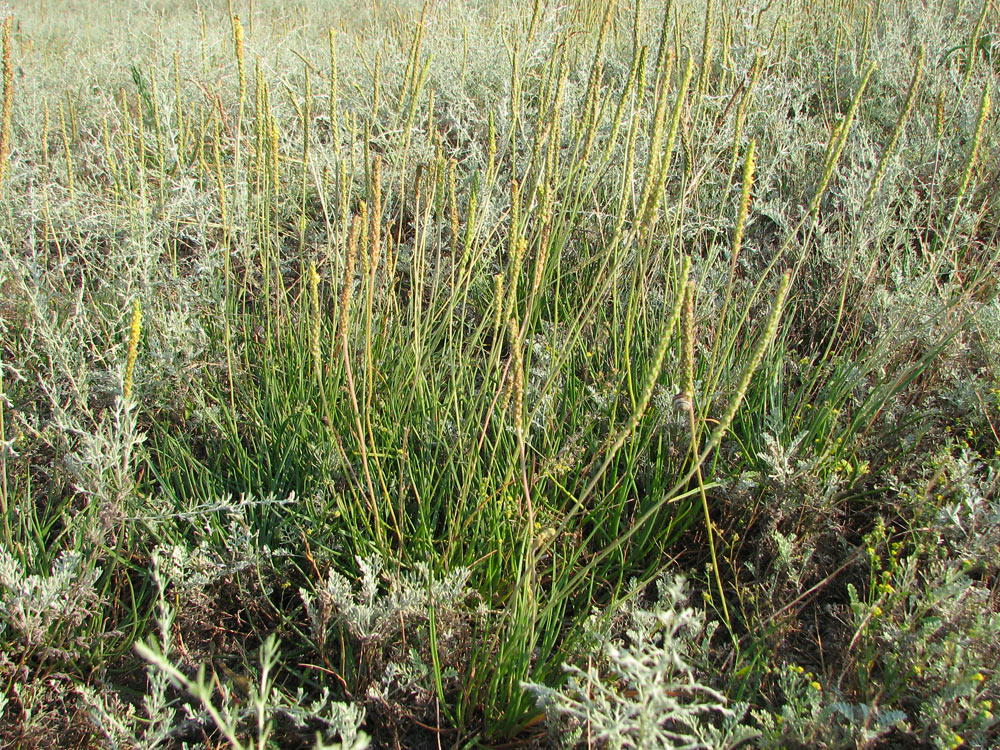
518, 373
240, 60
345, 293
498, 301
741, 217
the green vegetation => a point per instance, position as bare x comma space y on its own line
499, 374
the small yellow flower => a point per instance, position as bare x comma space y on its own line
978, 677
546, 536
815, 685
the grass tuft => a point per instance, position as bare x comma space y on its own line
522, 375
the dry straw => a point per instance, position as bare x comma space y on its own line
47, 127
67, 151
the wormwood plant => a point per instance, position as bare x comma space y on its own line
244, 712
352, 355
43, 612
641, 689
408, 643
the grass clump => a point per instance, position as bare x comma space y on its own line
370, 376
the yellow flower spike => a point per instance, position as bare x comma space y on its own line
133, 349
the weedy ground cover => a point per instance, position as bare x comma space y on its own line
497, 375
